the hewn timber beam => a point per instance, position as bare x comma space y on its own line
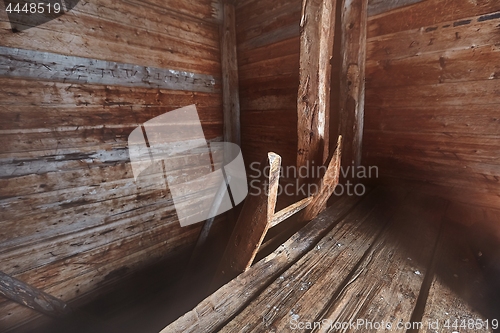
252, 224
352, 80
313, 102
258, 215
230, 81
327, 186
31, 297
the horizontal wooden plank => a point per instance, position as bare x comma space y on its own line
142, 15
78, 24
473, 64
80, 137
448, 36
376, 7
276, 67
476, 120
276, 50
428, 13
79, 280
205, 10
69, 69
439, 95
49, 117
253, 12
274, 36
19, 92
433, 169
280, 85
181, 56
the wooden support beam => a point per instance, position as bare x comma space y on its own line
327, 185
352, 79
230, 81
252, 224
289, 211
31, 297
258, 215
313, 102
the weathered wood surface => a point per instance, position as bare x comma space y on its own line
431, 81
458, 292
219, 307
230, 80
252, 224
289, 211
313, 101
26, 295
72, 218
304, 289
352, 80
376, 7
390, 278
326, 186
29, 64
268, 61
428, 13
118, 31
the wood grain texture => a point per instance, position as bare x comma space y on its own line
352, 80
30, 64
252, 224
73, 220
376, 7
313, 100
218, 308
428, 13
268, 60
459, 293
229, 63
431, 96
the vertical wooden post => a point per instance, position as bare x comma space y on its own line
313, 102
231, 110
352, 82
230, 81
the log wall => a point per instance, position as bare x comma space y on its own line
72, 219
432, 101
268, 61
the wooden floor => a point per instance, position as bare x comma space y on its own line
389, 258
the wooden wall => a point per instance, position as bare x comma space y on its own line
432, 102
72, 219
268, 61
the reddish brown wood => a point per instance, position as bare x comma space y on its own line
326, 187
352, 80
252, 224
313, 102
